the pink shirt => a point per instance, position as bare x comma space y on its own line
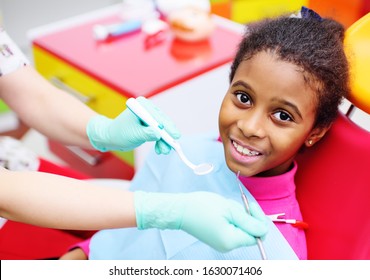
275, 195
83, 245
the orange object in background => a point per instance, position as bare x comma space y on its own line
344, 11
221, 8
357, 42
366, 7
245, 11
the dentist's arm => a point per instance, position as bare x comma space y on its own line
62, 117
54, 201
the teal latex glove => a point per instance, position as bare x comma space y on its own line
127, 132
221, 223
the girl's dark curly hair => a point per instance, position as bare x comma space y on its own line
315, 46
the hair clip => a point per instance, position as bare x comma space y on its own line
308, 13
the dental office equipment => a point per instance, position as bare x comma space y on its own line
154, 26
144, 115
246, 204
134, 15
103, 32
276, 218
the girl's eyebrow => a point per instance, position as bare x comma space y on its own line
289, 104
243, 84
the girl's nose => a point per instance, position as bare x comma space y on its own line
252, 124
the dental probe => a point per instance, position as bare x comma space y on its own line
246, 204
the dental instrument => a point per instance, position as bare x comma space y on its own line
146, 117
246, 204
102, 32
295, 223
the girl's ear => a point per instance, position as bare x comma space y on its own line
315, 135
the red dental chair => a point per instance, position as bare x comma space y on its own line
333, 178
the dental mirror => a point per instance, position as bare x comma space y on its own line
200, 169
144, 115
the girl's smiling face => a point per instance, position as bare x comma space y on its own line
266, 116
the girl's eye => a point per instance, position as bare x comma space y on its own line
283, 116
243, 98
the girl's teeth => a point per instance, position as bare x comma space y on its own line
244, 150
240, 149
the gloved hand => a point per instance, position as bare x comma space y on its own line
127, 132
221, 223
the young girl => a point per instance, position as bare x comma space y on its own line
286, 82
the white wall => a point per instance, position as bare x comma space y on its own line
18, 16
